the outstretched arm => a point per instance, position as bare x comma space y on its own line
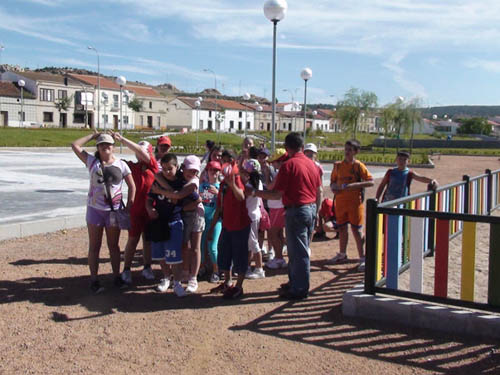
138, 150
77, 146
426, 180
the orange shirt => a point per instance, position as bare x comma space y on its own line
347, 173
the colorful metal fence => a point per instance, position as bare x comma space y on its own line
402, 232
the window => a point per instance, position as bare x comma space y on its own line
141, 120
261, 126
150, 105
209, 113
239, 125
240, 114
48, 117
284, 125
46, 95
19, 115
201, 124
125, 120
159, 121
62, 94
116, 101
231, 124
248, 124
105, 119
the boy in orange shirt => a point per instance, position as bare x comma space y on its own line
348, 180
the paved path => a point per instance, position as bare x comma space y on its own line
52, 183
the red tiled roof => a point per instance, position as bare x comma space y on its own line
92, 80
227, 104
143, 91
206, 105
9, 89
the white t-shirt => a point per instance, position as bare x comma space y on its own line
200, 209
253, 205
114, 173
274, 203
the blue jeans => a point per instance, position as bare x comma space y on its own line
299, 229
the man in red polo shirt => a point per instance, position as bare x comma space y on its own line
298, 184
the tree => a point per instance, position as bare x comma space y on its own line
350, 108
387, 120
135, 105
62, 104
407, 115
475, 125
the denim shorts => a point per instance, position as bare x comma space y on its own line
98, 217
233, 248
170, 250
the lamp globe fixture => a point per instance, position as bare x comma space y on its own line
306, 74
275, 10
121, 80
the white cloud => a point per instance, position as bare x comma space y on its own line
488, 65
399, 75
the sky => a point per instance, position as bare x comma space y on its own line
439, 51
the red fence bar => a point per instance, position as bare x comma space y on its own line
441, 258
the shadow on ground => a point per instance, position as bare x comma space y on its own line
319, 321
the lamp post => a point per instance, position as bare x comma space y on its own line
21, 84
314, 113
275, 11
197, 104
306, 75
121, 81
259, 109
98, 88
105, 103
215, 78
1, 49
246, 96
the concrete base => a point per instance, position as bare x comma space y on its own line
30, 228
355, 303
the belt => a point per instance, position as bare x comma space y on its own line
298, 205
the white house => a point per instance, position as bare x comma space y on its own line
10, 106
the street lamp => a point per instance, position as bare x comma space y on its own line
246, 96
306, 75
314, 113
215, 78
105, 102
1, 49
98, 88
275, 11
21, 84
197, 105
121, 81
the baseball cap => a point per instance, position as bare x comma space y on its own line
251, 165
214, 165
280, 154
104, 138
311, 147
265, 151
405, 154
146, 146
164, 140
192, 162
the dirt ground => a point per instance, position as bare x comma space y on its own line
52, 324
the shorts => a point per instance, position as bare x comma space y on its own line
349, 212
193, 223
233, 249
170, 250
138, 224
277, 216
101, 218
253, 237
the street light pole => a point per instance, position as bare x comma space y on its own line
275, 11
215, 78
197, 104
98, 89
121, 81
1, 49
306, 75
246, 96
21, 84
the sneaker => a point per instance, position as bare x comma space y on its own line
257, 273
162, 287
338, 259
276, 263
192, 285
148, 273
233, 293
285, 250
271, 254
248, 273
361, 266
127, 277
95, 287
264, 249
179, 290
214, 278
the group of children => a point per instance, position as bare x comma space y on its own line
210, 220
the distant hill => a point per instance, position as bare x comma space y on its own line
461, 111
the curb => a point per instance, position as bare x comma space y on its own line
413, 313
30, 228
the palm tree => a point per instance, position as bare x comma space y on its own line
355, 103
407, 115
62, 104
387, 120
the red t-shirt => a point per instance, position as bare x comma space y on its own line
144, 176
298, 179
234, 212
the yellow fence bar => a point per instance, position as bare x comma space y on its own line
468, 261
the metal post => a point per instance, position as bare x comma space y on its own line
305, 109
245, 125
197, 125
22, 107
466, 193
432, 222
371, 245
273, 104
121, 115
86, 107
99, 93
489, 191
